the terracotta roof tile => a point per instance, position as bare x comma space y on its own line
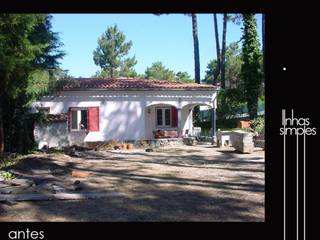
131, 83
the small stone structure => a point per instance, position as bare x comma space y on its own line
154, 143
259, 141
224, 138
189, 141
242, 141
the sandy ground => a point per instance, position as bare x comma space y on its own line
190, 183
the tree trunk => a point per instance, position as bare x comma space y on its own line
196, 48
223, 51
263, 42
253, 109
216, 31
21, 135
1, 129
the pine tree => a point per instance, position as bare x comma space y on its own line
111, 50
196, 48
27, 43
251, 67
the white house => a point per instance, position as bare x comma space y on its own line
93, 110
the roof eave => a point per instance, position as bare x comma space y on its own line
142, 89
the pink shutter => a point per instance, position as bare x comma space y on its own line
93, 119
174, 117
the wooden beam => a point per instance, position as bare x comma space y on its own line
57, 196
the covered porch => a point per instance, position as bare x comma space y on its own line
174, 120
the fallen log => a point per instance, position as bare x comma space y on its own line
57, 196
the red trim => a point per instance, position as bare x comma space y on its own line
93, 119
174, 117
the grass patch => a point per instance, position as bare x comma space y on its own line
235, 129
5, 162
6, 175
8, 160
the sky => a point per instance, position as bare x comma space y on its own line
165, 38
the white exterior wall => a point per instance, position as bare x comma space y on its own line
186, 116
150, 122
51, 135
123, 114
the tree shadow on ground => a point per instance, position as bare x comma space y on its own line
154, 205
225, 161
158, 197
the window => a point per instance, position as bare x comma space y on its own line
159, 117
79, 119
84, 119
163, 117
167, 117
74, 119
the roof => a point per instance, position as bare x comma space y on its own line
132, 84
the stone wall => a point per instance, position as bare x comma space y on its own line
54, 134
140, 144
242, 141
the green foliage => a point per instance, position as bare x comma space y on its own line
110, 52
226, 124
6, 175
258, 125
127, 68
210, 72
159, 72
222, 124
7, 160
16, 50
235, 18
38, 83
29, 54
232, 67
47, 58
183, 77
251, 72
26, 43
196, 117
229, 103
141, 76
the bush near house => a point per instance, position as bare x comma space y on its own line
222, 124
258, 126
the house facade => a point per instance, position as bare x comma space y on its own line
95, 110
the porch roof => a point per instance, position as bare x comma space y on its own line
132, 84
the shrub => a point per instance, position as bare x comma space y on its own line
229, 103
258, 125
6, 175
7, 160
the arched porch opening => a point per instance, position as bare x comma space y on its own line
173, 120
189, 129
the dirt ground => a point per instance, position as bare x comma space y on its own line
190, 183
